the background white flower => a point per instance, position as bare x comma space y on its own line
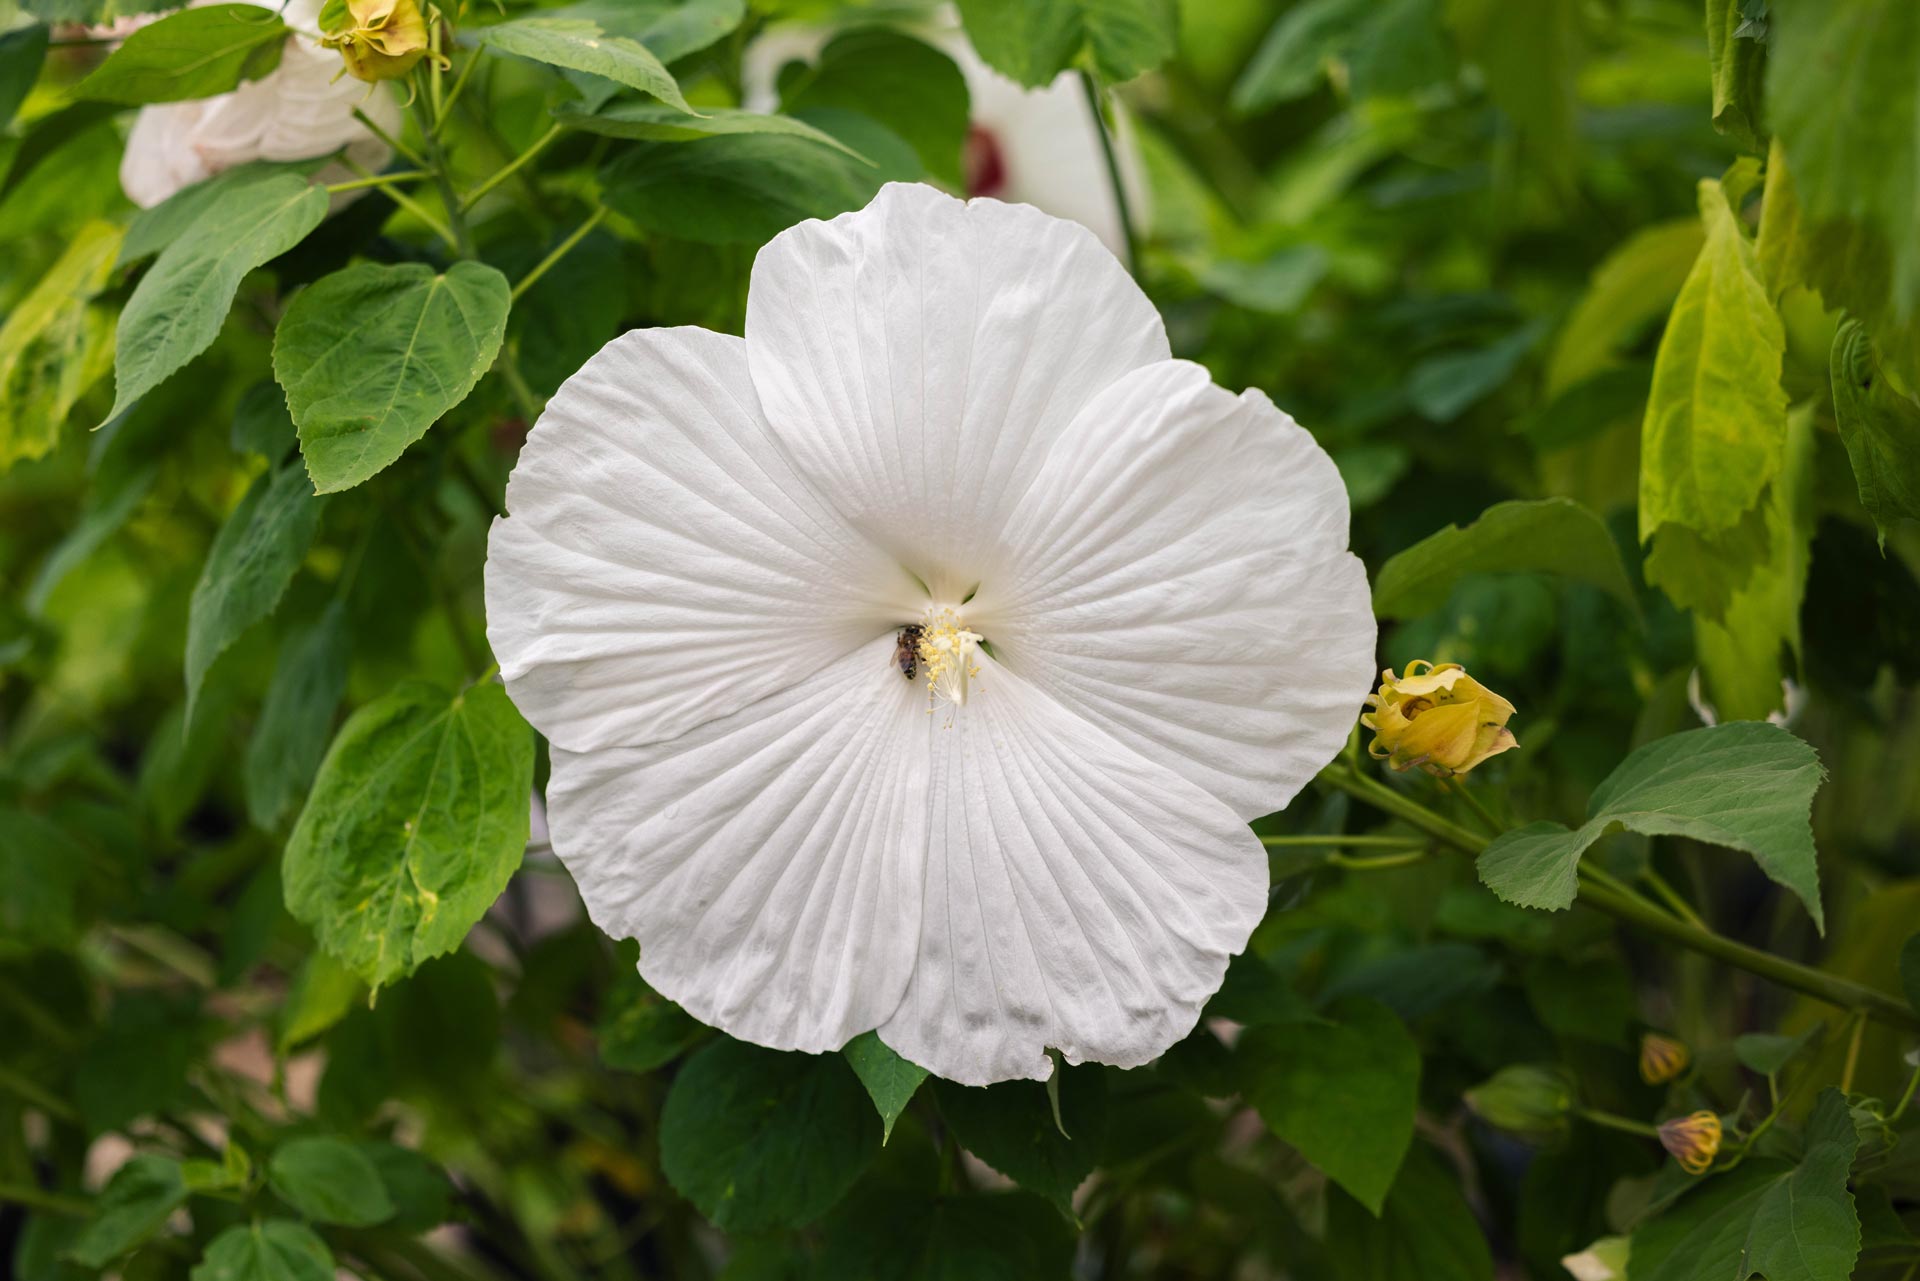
713, 542
1039, 147
301, 109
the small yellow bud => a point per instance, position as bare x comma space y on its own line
1438, 718
1662, 1058
1693, 1140
378, 39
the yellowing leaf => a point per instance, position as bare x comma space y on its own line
54, 346
1631, 287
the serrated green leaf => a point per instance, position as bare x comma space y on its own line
371, 356
262, 425
1011, 1127
1633, 285
1844, 96
136, 1202
737, 189
642, 1030
1788, 1223
757, 1138
1032, 41
651, 122
670, 29
248, 569
912, 88
195, 53
1739, 65
273, 1250
1880, 426
54, 345
1548, 535
581, 44
1748, 786
891, 1080
291, 735
1341, 1089
331, 1181
1424, 1229
416, 821
177, 309
154, 229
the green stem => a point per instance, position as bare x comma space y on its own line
1634, 910
378, 180
453, 94
1367, 842
1671, 897
559, 251
510, 168
40, 1199
1626, 1125
1906, 1098
1377, 862
437, 165
1113, 172
399, 147
409, 204
523, 396
1859, 1022
1458, 787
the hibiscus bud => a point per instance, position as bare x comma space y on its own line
378, 39
1438, 718
1692, 1140
1662, 1058
1528, 1100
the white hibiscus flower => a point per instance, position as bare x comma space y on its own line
301, 109
1039, 147
961, 418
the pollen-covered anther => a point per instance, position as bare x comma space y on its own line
947, 648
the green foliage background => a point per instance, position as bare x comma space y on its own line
1609, 312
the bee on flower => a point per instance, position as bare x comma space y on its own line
1437, 718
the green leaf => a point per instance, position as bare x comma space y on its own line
1747, 785
1880, 426
1011, 1127
291, 735
1032, 41
1425, 1229
1444, 387
195, 53
22, 50
331, 1181
416, 821
372, 355
1276, 286
1291, 62
1767, 1054
274, 1250
176, 311
912, 88
742, 188
420, 1191
1530, 55
1341, 1090
253, 559
135, 1204
642, 1030
909, 1234
890, 1079
40, 869
154, 229
1739, 65
1793, 1223
262, 425
323, 993
1548, 535
1717, 418
651, 122
757, 1138
1633, 285
54, 345
581, 44
1843, 95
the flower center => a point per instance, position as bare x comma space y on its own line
941, 646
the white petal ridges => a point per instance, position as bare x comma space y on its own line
1078, 896
1178, 574
770, 863
660, 565
918, 357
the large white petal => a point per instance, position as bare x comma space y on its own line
1178, 573
661, 565
769, 863
919, 356
1078, 896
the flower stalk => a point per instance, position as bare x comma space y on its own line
1112, 159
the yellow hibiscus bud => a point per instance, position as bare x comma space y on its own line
1692, 1140
378, 39
1662, 1058
1438, 718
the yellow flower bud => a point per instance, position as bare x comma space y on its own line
378, 39
1438, 718
1662, 1058
1693, 1140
